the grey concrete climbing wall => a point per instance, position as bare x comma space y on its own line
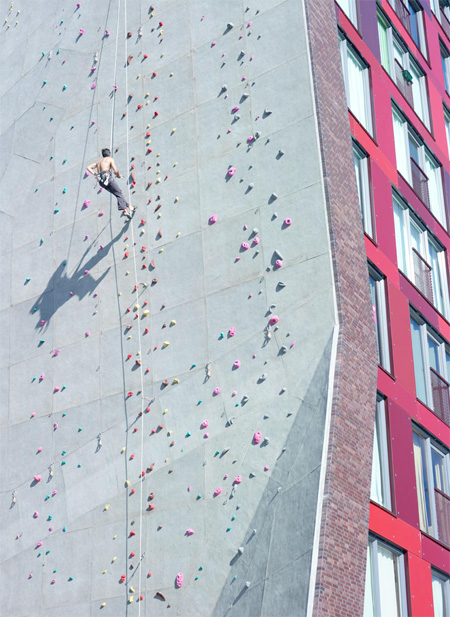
164, 381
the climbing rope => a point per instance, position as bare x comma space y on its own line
137, 286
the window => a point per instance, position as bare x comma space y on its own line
441, 593
411, 15
381, 488
385, 593
378, 295
431, 464
361, 163
418, 166
402, 68
445, 58
349, 8
417, 29
447, 127
421, 257
356, 79
431, 355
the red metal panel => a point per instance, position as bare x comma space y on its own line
394, 529
401, 338
436, 554
384, 220
419, 579
403, 465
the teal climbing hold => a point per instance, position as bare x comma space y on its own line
188, 434
47, 552
63, 462
64, 87
64, 190
201, 568
56, 211
64, 529
63, 452
196, 578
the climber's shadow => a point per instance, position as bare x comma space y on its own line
61, 287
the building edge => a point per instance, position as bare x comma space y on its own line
340, 543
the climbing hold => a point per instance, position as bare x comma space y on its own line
37, 478
231, 171
237, 364
245, 246
257, 437
235, 109
217, 491
189, 532
238, 479
217, 391
273, 320
288, 222
213, 219
263, 377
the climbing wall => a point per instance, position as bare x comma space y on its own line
164, 381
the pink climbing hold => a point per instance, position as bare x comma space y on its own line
256, 240
115, 88
33, 415
43, 322
231, 332
78, 5
56, 389
250, 139
274, 319
234, 393
217, 391
213, 43
86, 271
50, 528
225, 477
35, 514
231, 171
86, 203
288, 222
279, 263
54, 493
101, 213
87, 333
55, 426
213, 219
179, 579
37, 478
205, 424
94, 85
81, 31
237, 363
106, 32
238, 479
190, 532
235, 109
205, 436
217, 491
39, 449
38, 544
257, 437
56, 352
245, 246
41, 377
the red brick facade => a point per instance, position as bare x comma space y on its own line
340, 581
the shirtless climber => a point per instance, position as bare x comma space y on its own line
103, 171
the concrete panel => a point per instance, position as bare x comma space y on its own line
122, 334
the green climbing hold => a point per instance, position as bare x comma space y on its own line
56, 211
228, 528
80, 429
201, 568
70, 578
64, 190
64, 87
199, 403
50, 517
193, 365
47, 552
79, 465
64, 529
199, 496
63, 452
63, 462
196, 578
216, 453
233, 518
188, 434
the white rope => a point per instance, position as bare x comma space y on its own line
113, 105
141, 370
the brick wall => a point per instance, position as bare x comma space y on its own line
340, 581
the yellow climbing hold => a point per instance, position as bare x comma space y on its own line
136, 306
177, 199
103, 604
131, 589
131, 599
166, 344
146, 312
106, 506
173, 322
123, 449
127, 483
166, 460
169, 432
120, 293
114, 559
114, 537
161, 250
175, 380
178, 234
165, 411
104, 571
175, 164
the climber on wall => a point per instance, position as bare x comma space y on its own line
103, 171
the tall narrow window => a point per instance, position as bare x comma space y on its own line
416, 26
432, 468
356, 79
385, 593
431, 368
421, 257
404, 70
418, 166
380, 487
361, 163
447, 127
349, 8
441, 593
445, 58
378, 294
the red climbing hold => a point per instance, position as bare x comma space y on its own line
129, 394
149, 150
123, 578
132, 533
154, 74
136, 287
126, 254
133, 492
139, 106
161, 24
129, 356
146, 331
156, 113
145, 56
147, 134
132, 555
